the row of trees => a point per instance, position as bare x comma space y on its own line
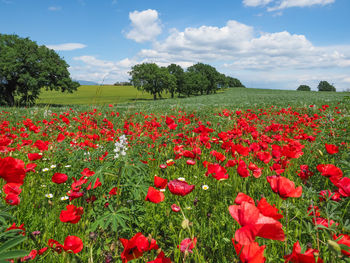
197, 79
322, 86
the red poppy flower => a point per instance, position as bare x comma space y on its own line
12, 199
218, 155
331, 171
113, 191
87, 172
12, 188
264, 156
175, 208
344, 240
217, 171
268, 210
21, 227
30, 256
73, 244
256, 170
323, 222
242, 197
331, 148
41, 145
298, 257
191, 162
12, 170
284, 187
34, 156
161, 259
327, 194
163, 166
254, 223
97, 184
160, 182
231, 163
171, 123
178, 187
136, 246
187, 245
42, 251
344, 187
60, 137
59, 178
251, 253
304, 172
72, 214
313, 211
154, 196
242, 169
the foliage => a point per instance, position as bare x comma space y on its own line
304, 88
26, 68
325, 86
234, 83
178, 72
152, 79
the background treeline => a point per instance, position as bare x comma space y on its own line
197, 79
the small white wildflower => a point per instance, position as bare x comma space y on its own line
43, 185
68, 165
188, 208
63, 198
181, 179
45, 169
162, 190
49, 195
205, 187
53, 166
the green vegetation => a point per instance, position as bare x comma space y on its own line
26, 68
304, 88
325, 86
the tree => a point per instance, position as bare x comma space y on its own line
151, 78
233, 82
194, 83
178, 73
303, 88
325, 86
26, 68
210, 73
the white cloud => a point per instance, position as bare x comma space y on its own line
146, 25
256, 2
299, 3
66, 46
55, 8
94, 69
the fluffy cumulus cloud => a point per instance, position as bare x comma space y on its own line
101, 71
283, 4
240, 48
66, 46
145, 25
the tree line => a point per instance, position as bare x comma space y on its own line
322, 86
197, 79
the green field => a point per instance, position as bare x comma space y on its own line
127, 96
95, 95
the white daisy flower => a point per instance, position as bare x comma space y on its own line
45, 169
205, 187
63, 198
181, 179
49, 195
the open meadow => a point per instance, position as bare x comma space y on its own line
106, 174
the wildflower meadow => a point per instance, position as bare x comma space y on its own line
218, 178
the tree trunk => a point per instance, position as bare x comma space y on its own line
172, 95
154, 96
9, 98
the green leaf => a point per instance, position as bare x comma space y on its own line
13, 254
11, 243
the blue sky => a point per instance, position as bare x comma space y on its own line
265, 43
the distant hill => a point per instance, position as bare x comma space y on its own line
86, 82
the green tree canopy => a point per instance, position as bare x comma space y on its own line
178, 73
26, 68
152, 79
304, 88
325, 86
210, 73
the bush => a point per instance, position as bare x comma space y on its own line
325, 86
304, 88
